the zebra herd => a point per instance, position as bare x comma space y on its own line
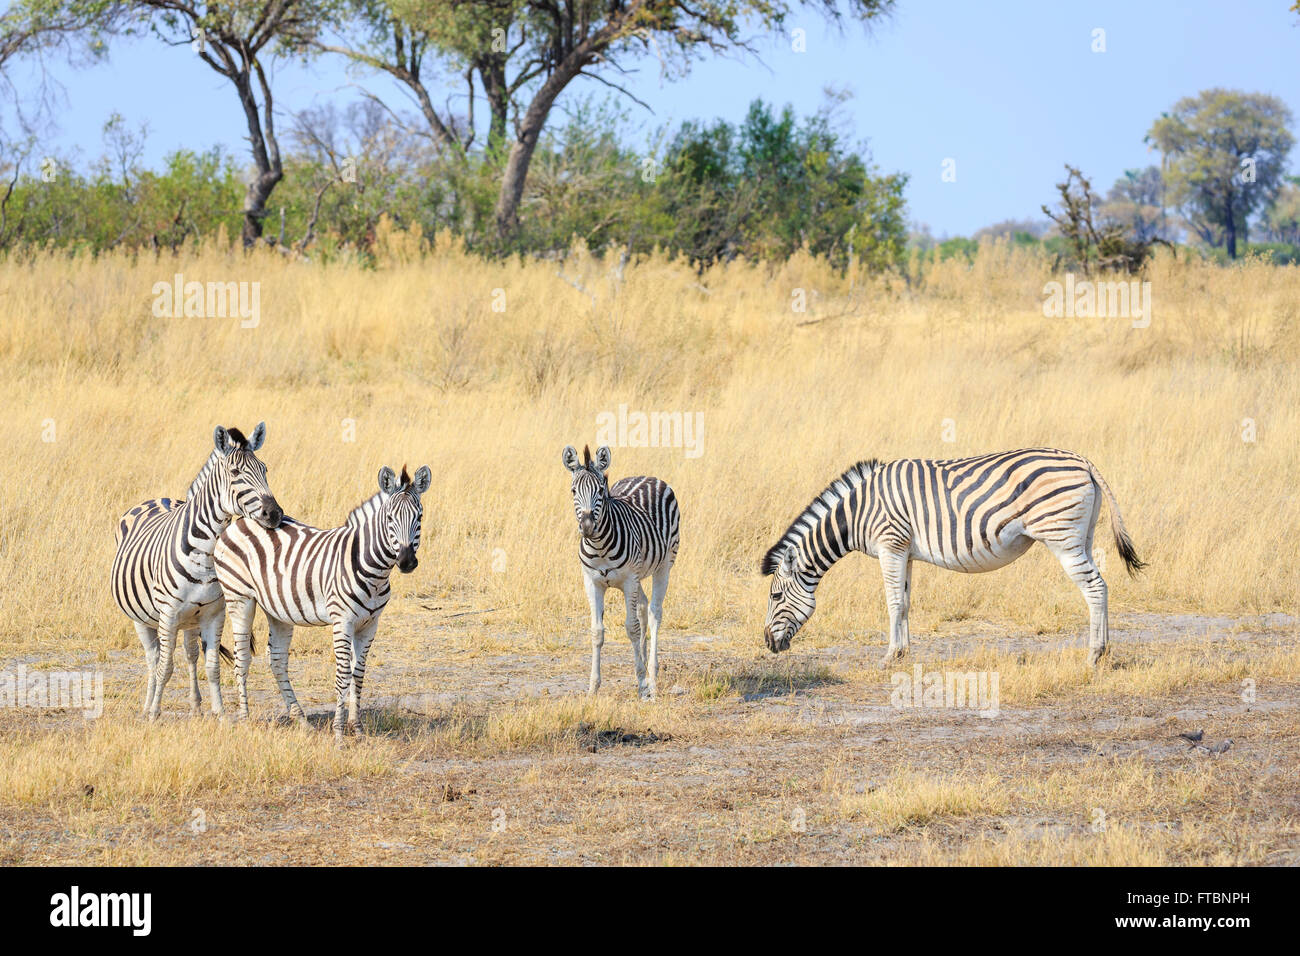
227, 547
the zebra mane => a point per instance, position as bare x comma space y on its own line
358, 515
201, 478
816, 510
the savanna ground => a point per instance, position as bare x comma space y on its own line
482, 746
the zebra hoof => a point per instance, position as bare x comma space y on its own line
1095, 655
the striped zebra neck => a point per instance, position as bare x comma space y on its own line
605, 535
206, 517
830, 526
367, 520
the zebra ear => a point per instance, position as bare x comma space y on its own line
787, 559
570, 458
388, 482
423, 478
602, 458
259, 435
221, 439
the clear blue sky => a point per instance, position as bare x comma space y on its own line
1009, 90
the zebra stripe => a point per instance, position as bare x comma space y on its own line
162, 576
629, 532
305, 576
965, 514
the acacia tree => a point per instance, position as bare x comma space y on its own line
527, 52
1227, 155
372, 34
401, 37
232, 38
573, 38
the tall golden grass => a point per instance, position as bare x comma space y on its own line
412, 352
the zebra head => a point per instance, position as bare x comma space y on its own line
792, 598
402, 511
242, 480
590, 485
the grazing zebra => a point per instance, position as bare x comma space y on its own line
629, 532
162, 576
306, 576
964, 514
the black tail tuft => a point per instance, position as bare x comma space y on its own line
252, 649
1131, 561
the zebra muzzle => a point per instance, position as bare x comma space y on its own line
406, 560
271, 514
773, 644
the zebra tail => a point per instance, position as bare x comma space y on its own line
225, 653
1123, 543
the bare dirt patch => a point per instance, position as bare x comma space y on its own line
485, 749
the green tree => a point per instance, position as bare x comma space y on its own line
233, 37
1227, 153
1134, 202
772, 185
1282, 220
532, 50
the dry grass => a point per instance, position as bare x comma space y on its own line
911, 799
786, 406
413, 359
113, 763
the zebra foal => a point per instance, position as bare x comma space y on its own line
315, 578
163, 577
964, 514
628, 532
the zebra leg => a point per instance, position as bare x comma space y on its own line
149, 638
658, 588
192, 642
277, 649
163, 669
596, 598
1078, 564
896, 569
211, 632
360, 648
342, 674
631, 591
240, 612
643, 618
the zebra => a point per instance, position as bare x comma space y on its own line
964, 514
629, 532
162, 575
305, 576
